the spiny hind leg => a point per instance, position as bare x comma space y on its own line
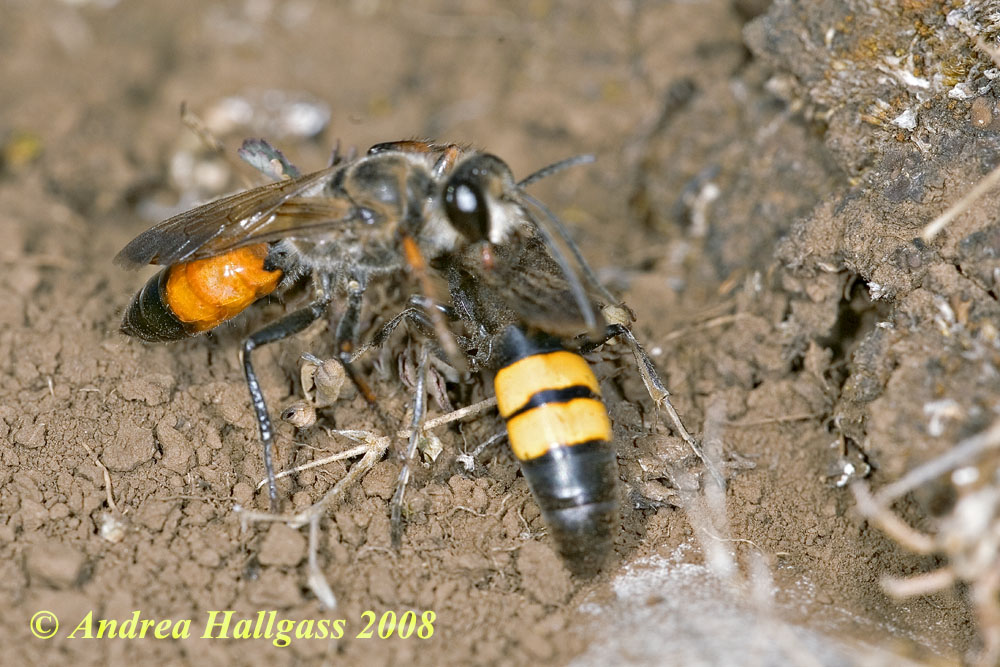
285, 327
656, 390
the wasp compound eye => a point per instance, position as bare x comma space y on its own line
467, 209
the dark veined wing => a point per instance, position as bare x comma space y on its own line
537, 290
530, 284
266, 213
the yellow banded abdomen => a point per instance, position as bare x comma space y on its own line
550, 400
559, 430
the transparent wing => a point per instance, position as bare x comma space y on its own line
530, 285
269, 212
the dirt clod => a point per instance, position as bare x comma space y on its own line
543, 575
54, 564
133, 445
282, 546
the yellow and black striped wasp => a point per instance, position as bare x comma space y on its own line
407, 211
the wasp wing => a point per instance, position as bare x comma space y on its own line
269, 212
524, 286
538, 291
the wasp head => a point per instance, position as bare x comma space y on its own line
480, 199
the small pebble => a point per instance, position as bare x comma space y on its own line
981, 113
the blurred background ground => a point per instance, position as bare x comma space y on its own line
757, 199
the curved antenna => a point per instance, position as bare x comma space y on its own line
553, 168
564, 235
575, 286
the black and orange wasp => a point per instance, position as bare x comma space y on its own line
408, 211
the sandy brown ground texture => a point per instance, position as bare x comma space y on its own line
763, 177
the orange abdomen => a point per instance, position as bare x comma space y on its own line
189, 298
206, 292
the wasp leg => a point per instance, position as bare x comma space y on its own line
347, 337
416, 426
411, 314
415, 314
564, 234
656, 389
287, 326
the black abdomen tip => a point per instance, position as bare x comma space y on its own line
577, 490
149, 318
584, 535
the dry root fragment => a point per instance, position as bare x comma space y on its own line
371, 448
968, 537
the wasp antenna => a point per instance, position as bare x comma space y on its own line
554, 167
573, 248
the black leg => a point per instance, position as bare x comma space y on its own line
287, 326
347, 345
415, 316
610, 332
